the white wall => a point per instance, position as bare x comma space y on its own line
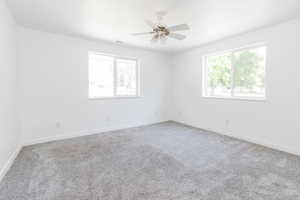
9, 139
275, 122
54, 87
54, 104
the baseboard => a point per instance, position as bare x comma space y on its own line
9, 162
277, 147
14, 155
84, 133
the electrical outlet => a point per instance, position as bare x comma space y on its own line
179, 113
108, 119
58, 124
227, 123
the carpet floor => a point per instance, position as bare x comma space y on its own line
166, 161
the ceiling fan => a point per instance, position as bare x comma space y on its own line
160, 32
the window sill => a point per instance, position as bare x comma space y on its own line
257, 99
112, 98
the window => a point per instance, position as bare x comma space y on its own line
112, 76
235, 74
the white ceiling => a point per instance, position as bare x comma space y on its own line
113, 20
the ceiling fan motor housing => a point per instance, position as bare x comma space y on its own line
161, 31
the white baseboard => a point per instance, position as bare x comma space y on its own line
84, 133
63, 137
9, 162
277, 147
12, 158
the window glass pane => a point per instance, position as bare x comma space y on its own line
101, 76
219, 75
249, 74
126, 77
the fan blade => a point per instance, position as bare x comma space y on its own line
150, 23
144, 33
180, 27
177, 36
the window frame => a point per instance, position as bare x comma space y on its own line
233, 51
115, 75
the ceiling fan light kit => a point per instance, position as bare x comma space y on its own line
161, 32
